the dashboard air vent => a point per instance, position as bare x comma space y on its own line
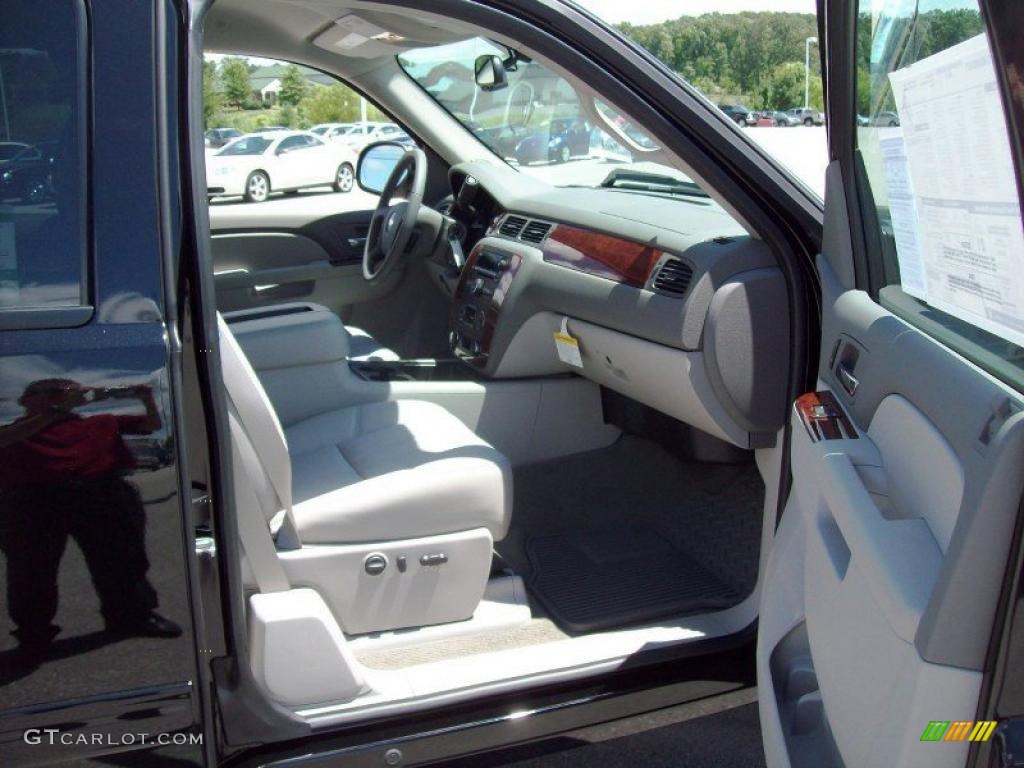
535, 232
512, 226
673, 277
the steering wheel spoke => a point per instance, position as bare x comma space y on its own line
392, 224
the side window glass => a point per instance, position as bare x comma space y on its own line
42, 156
933, 136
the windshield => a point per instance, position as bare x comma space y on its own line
247, 145
539, 123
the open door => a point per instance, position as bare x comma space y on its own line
881, 591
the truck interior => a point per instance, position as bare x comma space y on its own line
528, 419
431, 503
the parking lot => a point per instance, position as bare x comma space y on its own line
317, 202
801, 150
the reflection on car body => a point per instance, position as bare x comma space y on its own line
25, 171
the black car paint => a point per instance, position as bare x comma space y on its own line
26, 176
101, 689
157, 685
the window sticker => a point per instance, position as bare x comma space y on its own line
899, 187
956, 217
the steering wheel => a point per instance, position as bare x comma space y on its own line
392, 225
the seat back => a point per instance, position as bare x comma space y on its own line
259, 441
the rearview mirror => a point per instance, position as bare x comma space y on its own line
490, 73
376, 162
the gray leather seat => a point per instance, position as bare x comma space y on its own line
394, 470
396, 480
362, 346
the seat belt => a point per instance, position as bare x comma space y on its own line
256, 416
266, 450
256, 539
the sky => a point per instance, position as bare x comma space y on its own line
654, 11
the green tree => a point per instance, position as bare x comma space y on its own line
234, 74
289, 116
944, 29
331, 104
817, 92
863, 91
211, 93
786, 86
293, 86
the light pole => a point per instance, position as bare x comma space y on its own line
807, 70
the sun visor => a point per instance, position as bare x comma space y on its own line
376, 34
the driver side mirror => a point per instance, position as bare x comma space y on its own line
489, 73
376, 162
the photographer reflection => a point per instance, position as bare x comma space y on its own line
61, 475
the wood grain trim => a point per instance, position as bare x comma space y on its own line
823, 417
607, 256
491, 306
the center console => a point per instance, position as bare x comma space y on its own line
444, 369
483, 286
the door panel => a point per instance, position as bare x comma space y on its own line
319, 262
281, 250
882, 589
883, 582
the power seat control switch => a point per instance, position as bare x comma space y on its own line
432, 560
375, 564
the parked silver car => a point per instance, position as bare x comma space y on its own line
890, 119
782, 119
806, 116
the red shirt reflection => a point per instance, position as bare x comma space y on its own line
51, 444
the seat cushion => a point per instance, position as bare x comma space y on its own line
362, 346
394, 470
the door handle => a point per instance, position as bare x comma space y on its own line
846, 379
356, 242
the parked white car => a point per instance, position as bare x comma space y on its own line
257, 164
331, 131
361, 134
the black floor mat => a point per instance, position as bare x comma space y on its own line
592, 580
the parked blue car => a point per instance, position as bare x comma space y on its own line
558, 142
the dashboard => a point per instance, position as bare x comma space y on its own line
670, 300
